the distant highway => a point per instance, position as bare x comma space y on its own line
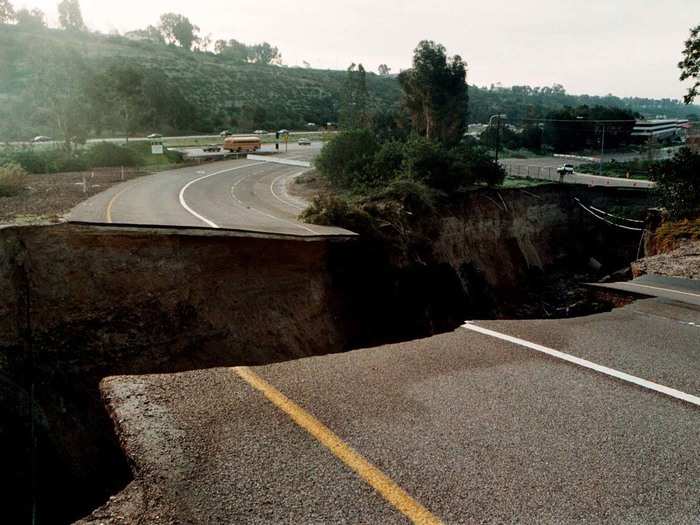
545, 168
240, 194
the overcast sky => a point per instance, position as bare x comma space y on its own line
624, 47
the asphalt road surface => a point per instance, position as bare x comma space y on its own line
238, 194
464, 427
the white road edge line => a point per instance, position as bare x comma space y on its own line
672, 392
660, 288
184, 204
276, 196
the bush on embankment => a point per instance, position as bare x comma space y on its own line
100, 155
12, 179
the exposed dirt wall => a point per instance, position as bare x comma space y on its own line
83, 302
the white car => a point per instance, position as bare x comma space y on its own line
41, 138
259, 132
566, 169
304, 142
155, 136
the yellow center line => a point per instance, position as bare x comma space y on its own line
371, 474
108, 213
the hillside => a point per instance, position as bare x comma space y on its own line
202, 92
222, 94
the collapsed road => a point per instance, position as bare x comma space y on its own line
473, 426
457, 427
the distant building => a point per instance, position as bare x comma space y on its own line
661, 130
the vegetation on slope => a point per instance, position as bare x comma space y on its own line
202, 91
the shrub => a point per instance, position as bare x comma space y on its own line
331, 210
346, 160
106, 154
678, 184
44, 160
12, 179
387, 162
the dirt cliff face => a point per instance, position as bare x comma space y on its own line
81, 303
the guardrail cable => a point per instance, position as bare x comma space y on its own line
594, 214
616, 216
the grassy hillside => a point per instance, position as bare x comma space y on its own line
206, 93
243, 96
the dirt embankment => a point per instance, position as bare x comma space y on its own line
82, 303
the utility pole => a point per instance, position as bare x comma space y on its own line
498, 131
602, 151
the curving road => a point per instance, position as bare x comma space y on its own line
238, 194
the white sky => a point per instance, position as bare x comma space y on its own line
624, 47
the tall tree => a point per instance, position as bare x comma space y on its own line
69, 15
121, 95
7, 12
177, 29
354, 110
690, 65
232, 50
435, 93
61, 94
34, 19
265, 54
384, 70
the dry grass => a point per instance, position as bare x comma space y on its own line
13, 180
671, 235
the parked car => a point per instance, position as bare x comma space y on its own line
155, 136
283, 132
304, 142
566, 169
212, 148
41, 138
225, 133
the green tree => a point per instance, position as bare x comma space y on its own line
233, 50
690, 65
354, 110
69, 15
121, 95
384, 70
264, 54
7, 12
435, 93
34, 19
177, 29
346, 161
150, 34
678, 184
61, 94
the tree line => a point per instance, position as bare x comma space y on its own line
173, 29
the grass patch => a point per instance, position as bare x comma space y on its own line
522, 182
